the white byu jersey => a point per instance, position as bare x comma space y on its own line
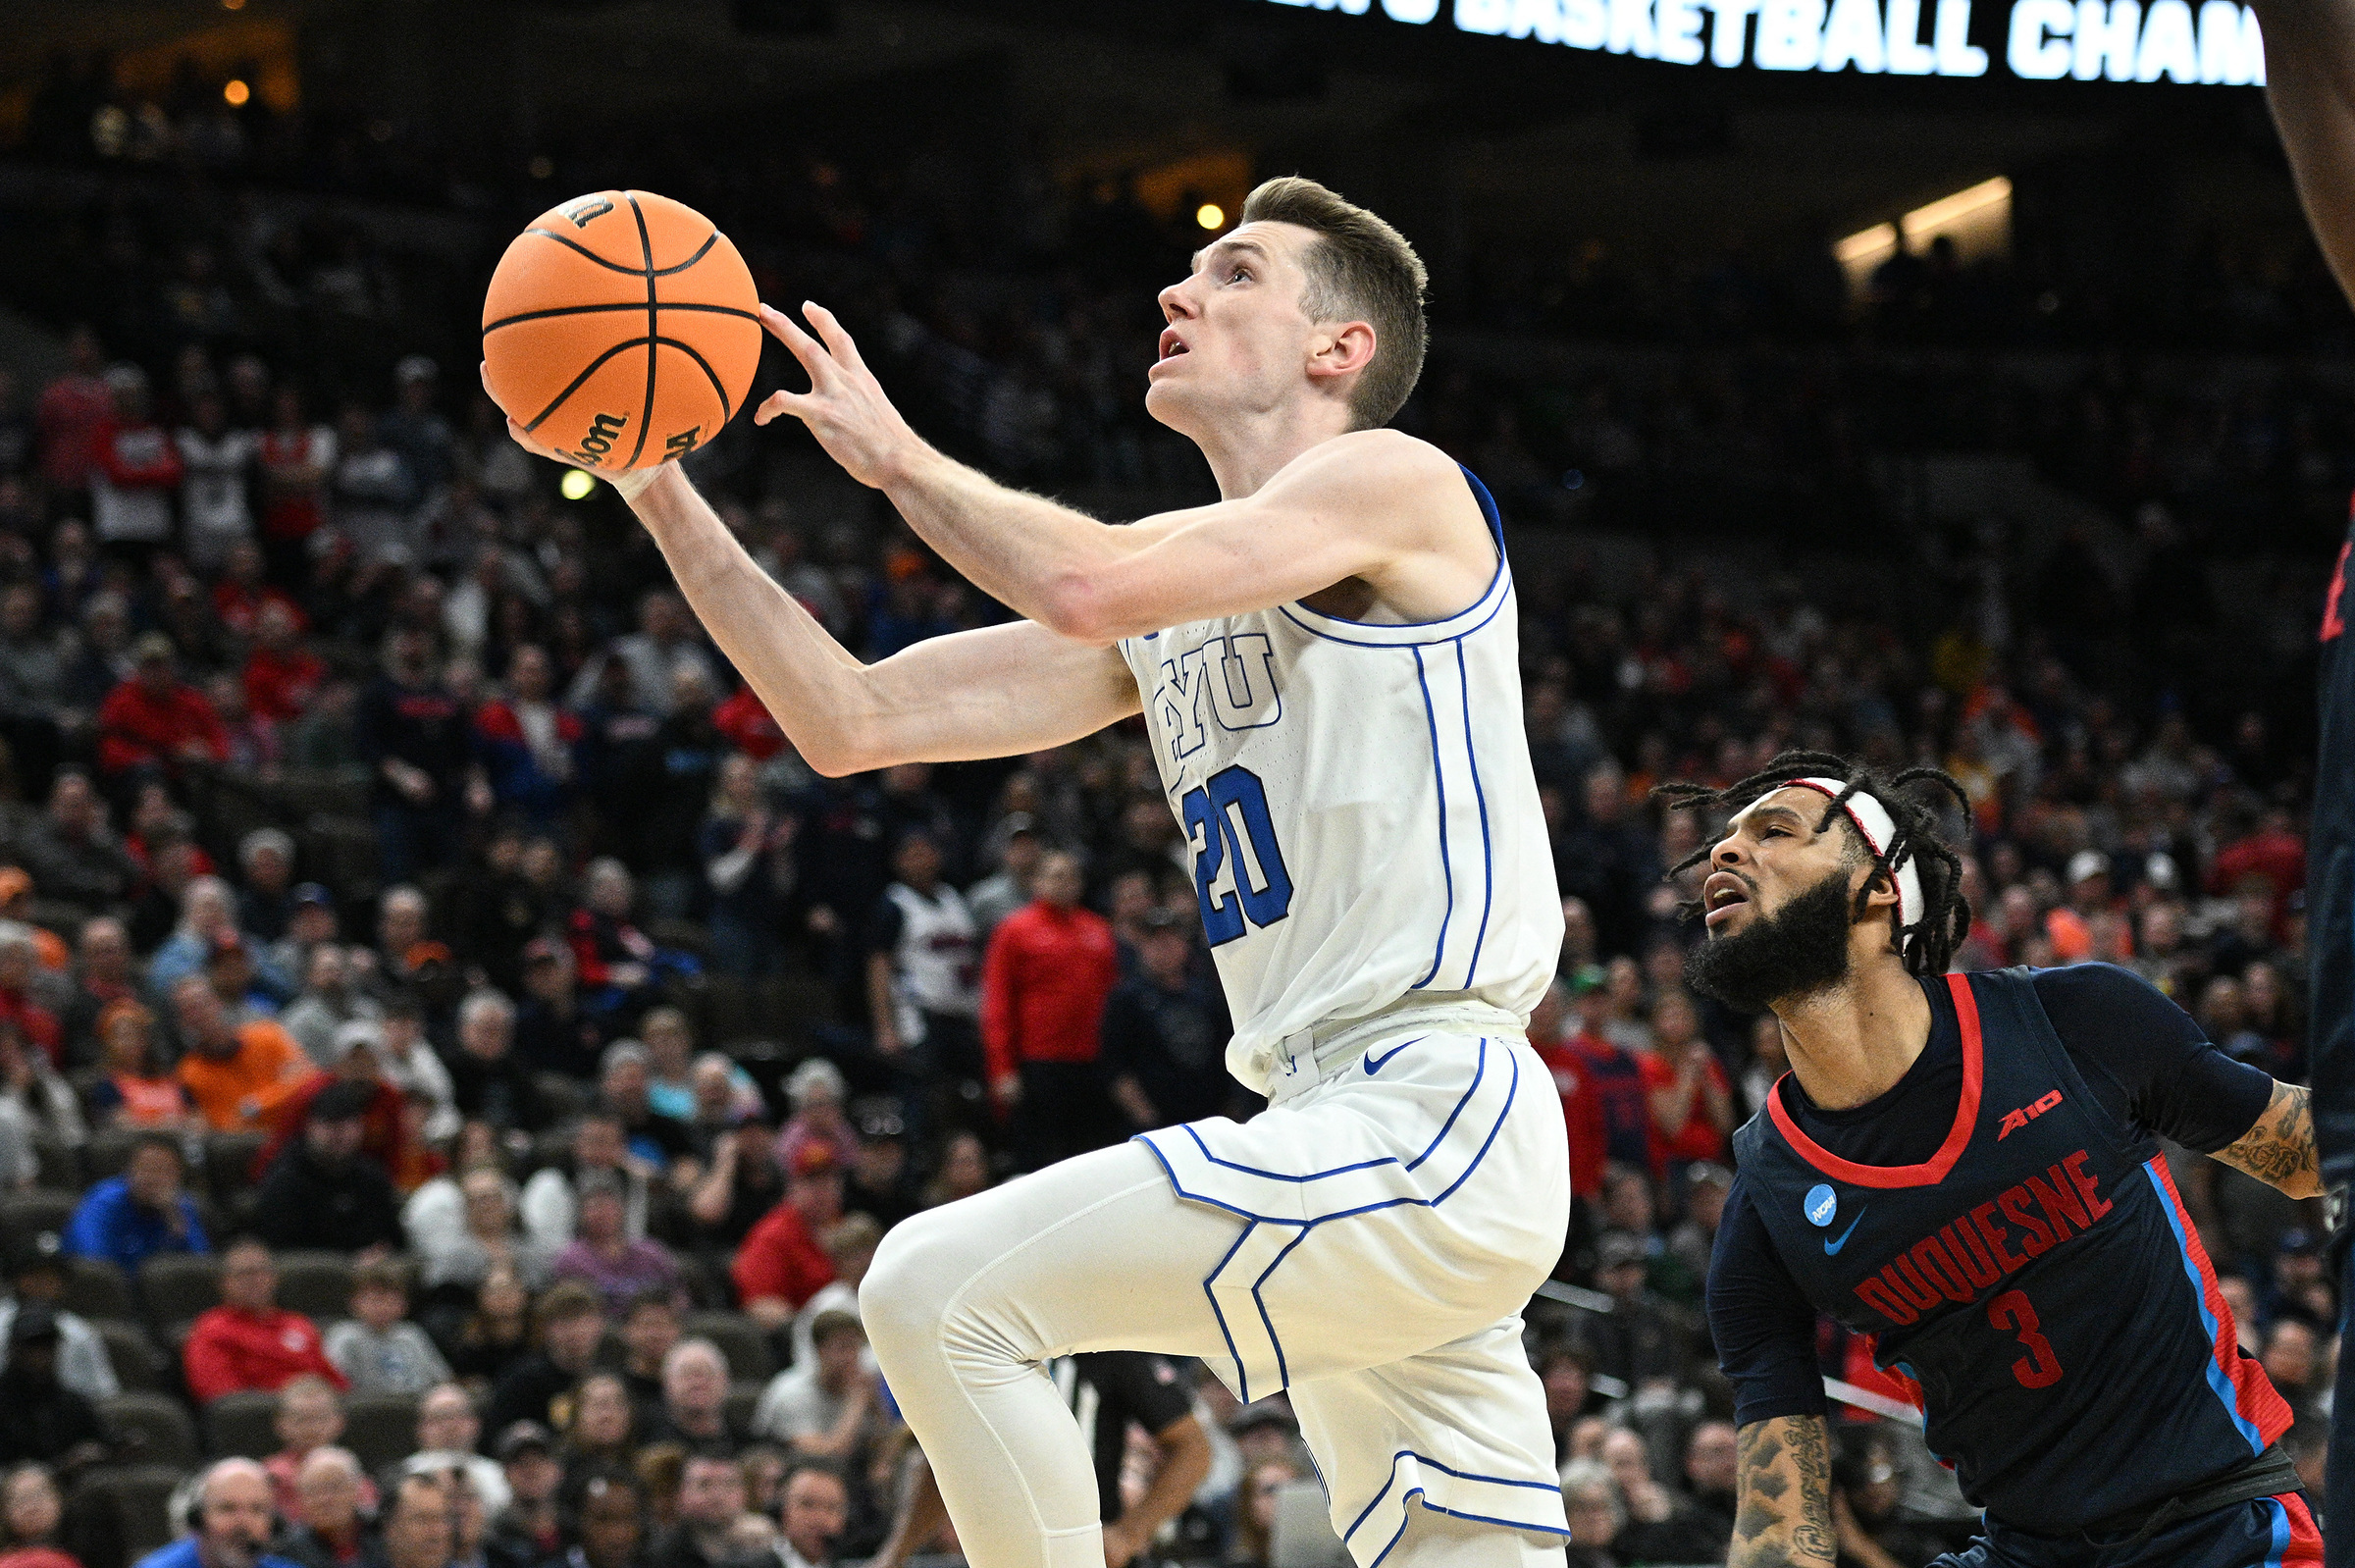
1360, 810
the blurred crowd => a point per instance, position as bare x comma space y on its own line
454, 1056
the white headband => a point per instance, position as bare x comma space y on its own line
1872, 819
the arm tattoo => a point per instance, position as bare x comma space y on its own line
2279, 1150
1785, 1515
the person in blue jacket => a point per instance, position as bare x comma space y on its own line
131, 1218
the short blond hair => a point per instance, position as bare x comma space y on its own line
1359, 268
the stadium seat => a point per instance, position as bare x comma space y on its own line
177, 1287
742, 1397
137, 1362
108, 1152
242, 1425
317, 1284
380, 1427
744, 1344
60, 1162
141, 1495
25, 1215
159, 1426
96, 1288
228, 1162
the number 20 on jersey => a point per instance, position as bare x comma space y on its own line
1239, 876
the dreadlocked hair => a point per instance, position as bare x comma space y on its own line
1927, 945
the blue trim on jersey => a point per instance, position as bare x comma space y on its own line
1242, 1394
1480, 1070
1488, 508
2280, 1545
2217, 1382
1413, 1493
1488, 852
1286, 611
1283, 1373
1439, 774
1495, 526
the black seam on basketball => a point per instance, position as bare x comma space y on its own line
727, 413
700, 252
574, 244
627, 304
632, 342
646, 248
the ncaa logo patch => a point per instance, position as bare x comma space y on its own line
1822, 1205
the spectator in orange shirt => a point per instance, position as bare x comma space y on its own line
152, 719
1049, 969
781, 1264
249, 1341
242, 1076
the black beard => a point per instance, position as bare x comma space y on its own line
1800, 949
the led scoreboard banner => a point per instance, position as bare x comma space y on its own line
2212, 42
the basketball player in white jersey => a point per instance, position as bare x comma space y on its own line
1325, 662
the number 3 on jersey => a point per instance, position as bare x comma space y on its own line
1238, 867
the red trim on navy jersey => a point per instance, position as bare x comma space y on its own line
2254, 1396
2305, 1541
1958, 1137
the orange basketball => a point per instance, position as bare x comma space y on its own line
621, 329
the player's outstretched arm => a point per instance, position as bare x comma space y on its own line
2310, 81
1783, 1518
1372, 505
999, 690
2278, 1149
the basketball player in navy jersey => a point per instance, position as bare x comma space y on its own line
2310, 76
1967, 1168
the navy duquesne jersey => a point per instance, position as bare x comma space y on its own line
2037, 1278
2330, 885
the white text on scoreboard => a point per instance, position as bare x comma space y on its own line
2215, 42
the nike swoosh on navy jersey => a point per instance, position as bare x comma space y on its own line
1831, 1246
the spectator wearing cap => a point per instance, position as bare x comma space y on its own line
328, 1001
324, 1193
1050, 967
1642, 1340
781, 1264
815, 1090
127, 1219
449, 1434
527, 1532
239, 1074
40, 1418
487, 1081
132, 1088
746, 851
154, 721
879, 1180
1015, 846
553, 1031
377, 1349
1695, 1236
37, 1270
602, 1253
570, 1320
1165, 1030
249, 1341
310, 922
135, 471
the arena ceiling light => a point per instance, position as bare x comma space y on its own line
1976, 217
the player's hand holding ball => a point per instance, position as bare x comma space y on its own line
621, 331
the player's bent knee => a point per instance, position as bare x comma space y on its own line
907, 1287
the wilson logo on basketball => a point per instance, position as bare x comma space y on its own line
2014, 1120
600, 441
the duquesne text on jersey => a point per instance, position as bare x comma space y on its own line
1965, 1256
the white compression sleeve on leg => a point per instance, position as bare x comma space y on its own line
963, 1303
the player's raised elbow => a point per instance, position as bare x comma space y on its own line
1077, 604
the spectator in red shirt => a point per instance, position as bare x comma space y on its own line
249, 1341
745, 720
1049, 969
781, 1264
2275, 855
153, 720
1550, 1027
20, 961
613, 956
71, 411
1691, 1103
135, 470
282, 675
